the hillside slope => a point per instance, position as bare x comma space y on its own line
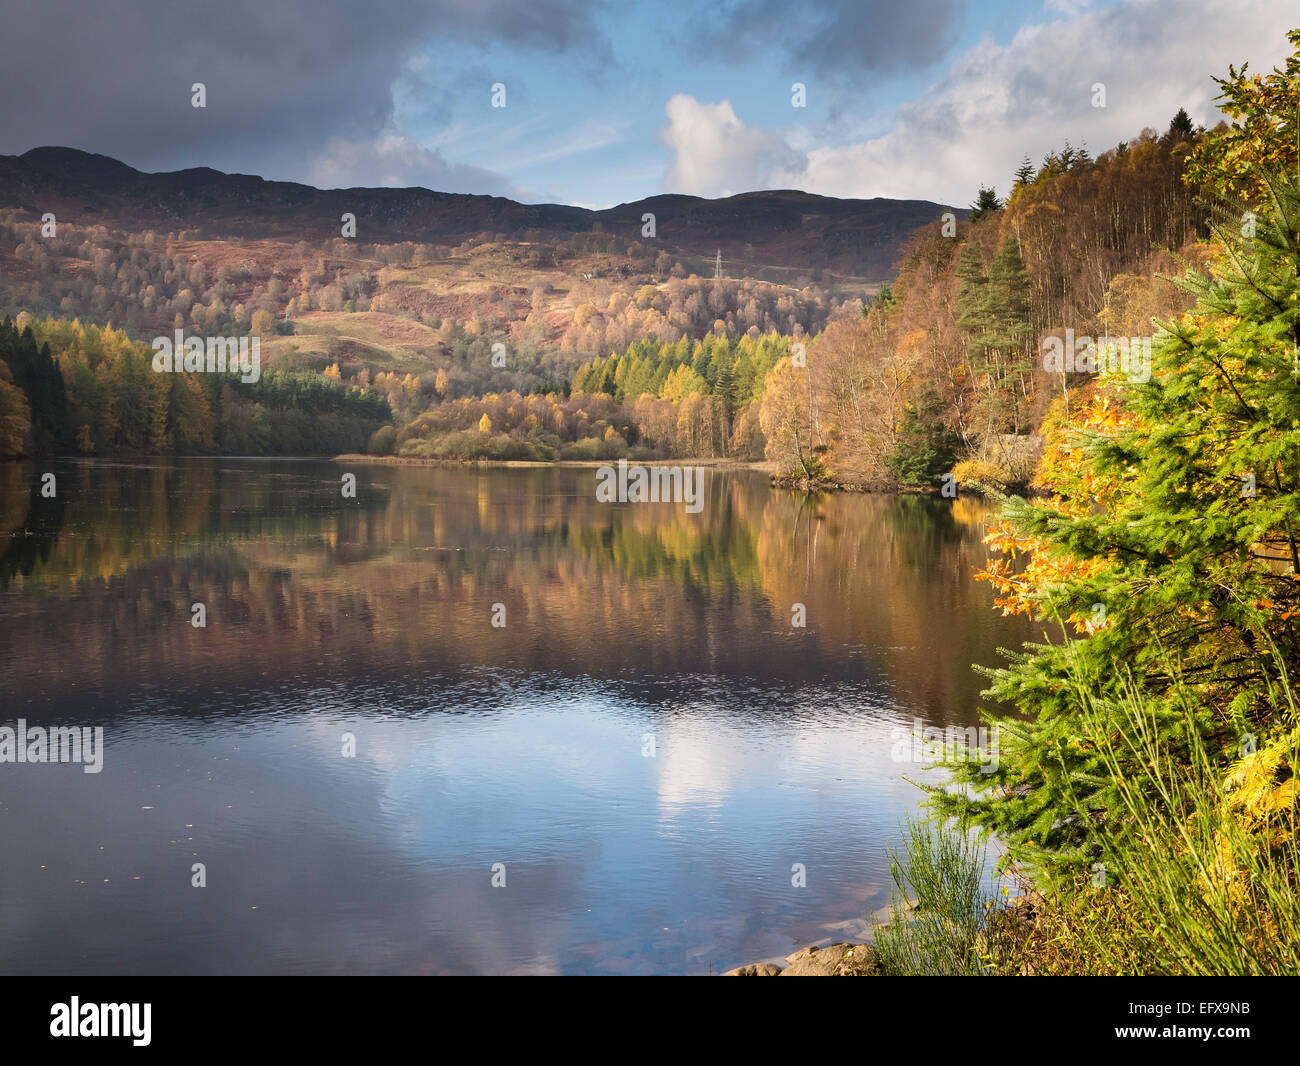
782, 230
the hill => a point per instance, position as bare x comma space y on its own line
781, 232
431, 281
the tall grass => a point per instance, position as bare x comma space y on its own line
1203, 851
1198, 874
939, 910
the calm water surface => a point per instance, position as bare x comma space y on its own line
525, 745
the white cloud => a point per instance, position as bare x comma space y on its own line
997, 102
715, 153
587, 136
1065, 7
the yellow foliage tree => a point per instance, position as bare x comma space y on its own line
263, 323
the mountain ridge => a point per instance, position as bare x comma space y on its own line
801, 230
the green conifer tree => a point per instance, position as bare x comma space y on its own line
1187, 553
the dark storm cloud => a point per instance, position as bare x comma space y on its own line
838, 39
283, 77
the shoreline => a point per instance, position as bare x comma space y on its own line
841, 959
829, 957
764, 466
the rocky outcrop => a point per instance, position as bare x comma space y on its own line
755, 969
834, 960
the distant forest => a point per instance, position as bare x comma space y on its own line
486, 351
66, 388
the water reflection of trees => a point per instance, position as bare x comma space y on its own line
404, 578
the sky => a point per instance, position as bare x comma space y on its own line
610, 101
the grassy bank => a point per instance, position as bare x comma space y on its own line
1195, 871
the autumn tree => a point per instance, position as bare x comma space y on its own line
785, 419
1261, 137
1169, 547
15, 416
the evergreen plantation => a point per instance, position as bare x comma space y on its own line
99, 394
654, 399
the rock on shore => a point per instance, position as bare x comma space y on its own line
834, 960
